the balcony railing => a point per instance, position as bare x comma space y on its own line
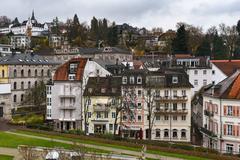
67, 95
168, 98
168, 111
70, 107
208, 113
207, 132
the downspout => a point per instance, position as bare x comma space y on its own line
220, 125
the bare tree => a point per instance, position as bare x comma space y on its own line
27, 152
230, 36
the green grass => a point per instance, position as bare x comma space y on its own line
5, 157
13, 141
138, 149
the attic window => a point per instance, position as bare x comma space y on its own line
174, 79
73, 67
71, 76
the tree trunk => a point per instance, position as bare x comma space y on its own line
115, 123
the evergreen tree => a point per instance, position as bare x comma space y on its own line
180, 42
204, 49
94, 29
112, 35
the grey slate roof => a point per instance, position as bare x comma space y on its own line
101, 50
26, 59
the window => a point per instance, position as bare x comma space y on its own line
229, 110
36, 73
139, 80
139, 118
73, 67
175, 93
166, 133
105, 114
139, 93
49, 101
110, 127
124, 117
166, 118
204, 71
213, 82
15, 73
174, 134
204, 82
229, 148
29, 73
158, 133
175, 106
139, 105
195, 82
183, 133
3, 73
49, 90
229, 130
175, 118
157, 118
166, 106
157, 93
213, 72
48, 73
49, 114
113, 114
29, 84
195, 72
124, 80
42, 73
22, 85
71, 76
35, 83
22, 96
183, 118
183, 106
22, 73
174, 79
183, 92
166, 93
15, 85
15, 98
98, 114
131, 80
89, 114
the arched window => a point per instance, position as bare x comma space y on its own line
175, 133
15, 98
36, 73
22, 73
166, 133
158, 133
15, 85
29, 73
42, 73
15, 73
3, 73
183, 133
29, 84
22, 85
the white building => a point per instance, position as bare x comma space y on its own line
20, 41
5, 49
221, 116
64, 95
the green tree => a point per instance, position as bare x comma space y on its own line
112, 35
180, 42
94, 29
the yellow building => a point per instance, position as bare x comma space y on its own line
4, 74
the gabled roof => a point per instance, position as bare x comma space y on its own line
229, 88
62, 72
226, 66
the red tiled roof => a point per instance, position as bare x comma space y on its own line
137, 64
183, 56
234, 92
226, 66
61, 73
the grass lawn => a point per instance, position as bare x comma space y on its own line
112, 145
13, 141
4, 157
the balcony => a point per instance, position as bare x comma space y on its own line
70, 107
208, 113
171, 99
207, 132
168, 111
101, 108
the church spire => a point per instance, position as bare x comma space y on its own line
33, 17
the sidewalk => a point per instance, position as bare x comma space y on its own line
115, 150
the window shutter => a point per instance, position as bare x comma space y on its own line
225, 129
234, 130
238, 108
234, 110
225, 110
238, 130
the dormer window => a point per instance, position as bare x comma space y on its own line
139, 80
174, 79
73, 67
124, 80
131, 80
71, 76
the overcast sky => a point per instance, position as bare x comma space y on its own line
141, 13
